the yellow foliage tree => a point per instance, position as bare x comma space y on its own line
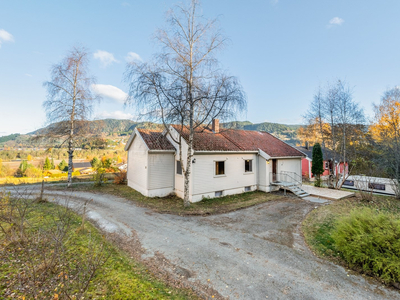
386, 132
29, 157
312, 134
387, 120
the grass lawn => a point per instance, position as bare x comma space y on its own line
320, 223
121, 277
174, 205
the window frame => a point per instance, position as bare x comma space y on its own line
250, 164
215, 168
178, 163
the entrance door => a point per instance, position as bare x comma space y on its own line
274, 177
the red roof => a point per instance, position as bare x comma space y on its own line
206, 140
155, 140
239, 140
254, 140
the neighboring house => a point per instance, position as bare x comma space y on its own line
224, 162
82, 167
306, 163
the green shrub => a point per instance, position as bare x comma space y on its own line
370, 240
63, 166
99, 176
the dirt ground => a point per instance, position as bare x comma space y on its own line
254, 253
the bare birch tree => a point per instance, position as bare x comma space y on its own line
334, 108
184, 84
69, 99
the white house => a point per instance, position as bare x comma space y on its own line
225, 162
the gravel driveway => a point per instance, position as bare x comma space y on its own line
254, 253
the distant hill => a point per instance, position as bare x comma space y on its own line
11, 137
106, 127
112, 127
287, 133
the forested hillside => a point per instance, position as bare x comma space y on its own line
112, 127
288, 133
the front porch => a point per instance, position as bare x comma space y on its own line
288, 181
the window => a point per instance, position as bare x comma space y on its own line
219, 168
376, 186
178, 167
247, 188
349, 182
326, 165
248, 165
218, 194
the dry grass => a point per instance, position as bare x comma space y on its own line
174, 205
28, 180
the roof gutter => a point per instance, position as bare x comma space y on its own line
161, 151
286, 157
224, 152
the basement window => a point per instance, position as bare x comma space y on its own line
178, 167
248, 165
218, 194
220, 168
247, 188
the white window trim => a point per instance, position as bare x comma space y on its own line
176, 171
222, 175
252, 165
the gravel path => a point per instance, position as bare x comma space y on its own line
255, 253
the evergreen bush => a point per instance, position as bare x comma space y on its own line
317, 163
370, 240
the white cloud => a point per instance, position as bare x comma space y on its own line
106, 58
336, 21
110, 92
274, 2
29, 75
5, 36
114, 115
132, 57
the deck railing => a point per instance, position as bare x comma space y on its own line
285, 178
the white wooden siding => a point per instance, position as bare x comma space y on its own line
137, 165
205, 181
161, 170
290, 165
180, 179
262, 173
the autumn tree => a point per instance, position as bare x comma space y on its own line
69, 99
184, 84
386, 132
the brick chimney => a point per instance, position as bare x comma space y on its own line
215, 125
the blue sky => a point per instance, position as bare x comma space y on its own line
280, 50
